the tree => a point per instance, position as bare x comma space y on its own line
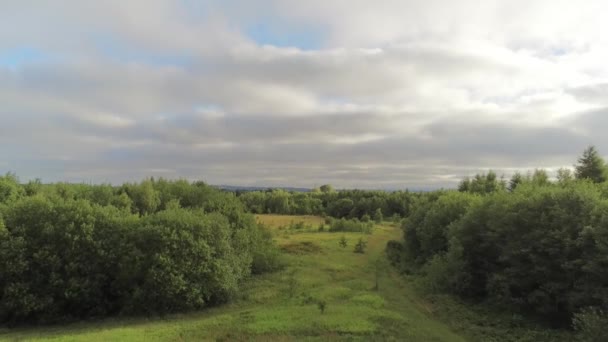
564, 175
326, 188
378, 216
341, 208
591, 166
10, 189
322, 305
464, 185
145, 198
516, 179
482, 184
360, 246
590, 325
343, 242
540, 177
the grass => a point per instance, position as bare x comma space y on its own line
282, 221
267, 309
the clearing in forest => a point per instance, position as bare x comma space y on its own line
326, 292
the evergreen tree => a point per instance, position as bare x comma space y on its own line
591, 166
516, 179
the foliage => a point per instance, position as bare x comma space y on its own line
344, 225
322, 305
482, 184
426, 230
75, 251
515, 180
590, 324
538, 249
394, 252
378, 216
326, 201
591, 166
343, 242
262, 311
360, 246
10, 190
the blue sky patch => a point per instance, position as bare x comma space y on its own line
16, 57
276, 33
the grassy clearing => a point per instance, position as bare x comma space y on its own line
284, 306
278, 221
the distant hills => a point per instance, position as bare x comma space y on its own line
259, 188
296, 189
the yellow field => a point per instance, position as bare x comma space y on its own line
276, 221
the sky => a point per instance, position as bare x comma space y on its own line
381, 94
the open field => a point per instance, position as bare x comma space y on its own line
276, 221
284, 306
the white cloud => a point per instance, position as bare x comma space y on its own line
122, 90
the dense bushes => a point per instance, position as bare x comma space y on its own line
344, 225
427, 227
67, 252
542, 248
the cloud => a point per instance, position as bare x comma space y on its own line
358, 94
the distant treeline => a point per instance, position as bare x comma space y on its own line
71, 251
326, 201
529, 244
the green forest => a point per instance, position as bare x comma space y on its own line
532, 247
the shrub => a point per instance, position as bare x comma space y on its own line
354, 225
394, 252
343, 242
378, 216
590, 324
66, 258
322, 305
360, 246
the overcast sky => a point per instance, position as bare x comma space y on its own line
356, 93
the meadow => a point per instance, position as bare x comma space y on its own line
363, 299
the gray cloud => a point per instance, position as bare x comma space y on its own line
397, 94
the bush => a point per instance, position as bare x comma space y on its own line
378, 216
540, 248
68, 258
394, 252
322, 305
590, 325
265, 254
344, 225
360, 246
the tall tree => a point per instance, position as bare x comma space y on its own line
591, 166
516, 179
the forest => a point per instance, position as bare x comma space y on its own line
531, 246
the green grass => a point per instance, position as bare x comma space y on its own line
265, 311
